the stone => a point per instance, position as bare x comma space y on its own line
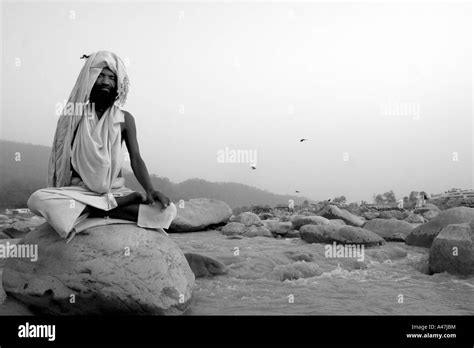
265, 216
343, 235
388, 228
369, 215
257, 231
4, 218
233, 228
4, 236
414, 219
424, 235
393, 214
204, 266
430, 214
333, 212
300, 220
452, 250
199, 213
248, 219
17, 229
337, 222
425, 208
293, 234
153, 278
280, 228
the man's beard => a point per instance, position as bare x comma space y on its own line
102, 99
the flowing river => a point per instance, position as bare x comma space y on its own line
269, 276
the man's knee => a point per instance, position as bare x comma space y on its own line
34, 202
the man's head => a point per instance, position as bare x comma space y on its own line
104, 91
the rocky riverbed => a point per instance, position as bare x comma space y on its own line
327, 263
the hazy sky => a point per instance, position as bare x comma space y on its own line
382, 92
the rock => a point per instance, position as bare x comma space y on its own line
393, 214
390, 229
300, 220
425, 234
199, 213
5, 244
452, 250
414, 219
397, 237
233, 228
248, 219
342, 235
265, 216
4, 236
95, 268
280, 228
371, 215
430, 214
17, 229
4, 218
204, 266
337, 222
293, 234
425, 208
333, 212
257, 231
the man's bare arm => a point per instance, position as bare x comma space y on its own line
138, 165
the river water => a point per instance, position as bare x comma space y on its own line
269, 276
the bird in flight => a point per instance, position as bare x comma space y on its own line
301, 140
297, 191
253, 166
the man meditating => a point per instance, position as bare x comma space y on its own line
85, 186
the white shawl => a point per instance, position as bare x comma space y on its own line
59, 171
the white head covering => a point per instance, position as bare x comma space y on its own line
59, 170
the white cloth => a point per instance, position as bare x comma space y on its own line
59, 172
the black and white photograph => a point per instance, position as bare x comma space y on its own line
223, 166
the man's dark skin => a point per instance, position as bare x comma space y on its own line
102, 96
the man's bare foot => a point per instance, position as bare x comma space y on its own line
132, 198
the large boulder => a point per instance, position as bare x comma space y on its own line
369, 215
233, 228
390, 229
393, 214
430, 215
427, 207
238, 228
248, 219
424, 235
197, 214
111, 269
415, 219
301, 220
452, 250
204, 266
341, 235
257, 231
333, 212
278, 227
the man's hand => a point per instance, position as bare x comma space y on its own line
156, 196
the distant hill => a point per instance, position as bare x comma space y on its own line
24, 167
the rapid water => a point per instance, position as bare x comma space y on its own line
260, 280
269, 276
